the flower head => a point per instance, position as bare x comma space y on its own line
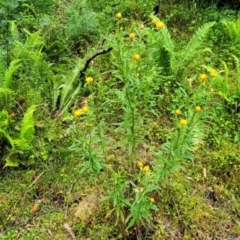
177, 112
213, 73
77, 112
136, 57
132, 35
89, 79
197, 109
183, 121
160, 25
146, 168
140, 164
85, 109
203, 77
118, 15
152, 200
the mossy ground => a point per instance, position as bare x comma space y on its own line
191, 205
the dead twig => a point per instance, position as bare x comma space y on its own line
88, 61
27, 190
69, 230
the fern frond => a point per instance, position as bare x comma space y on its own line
3, 119
166, 51
14, 65
4, 93
191, 50
22, 144
27, 125
7, 136
231, 28
162, 49
34, 40
72, 82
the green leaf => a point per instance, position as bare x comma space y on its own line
11, 162
27, 124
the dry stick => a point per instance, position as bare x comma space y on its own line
99, 52
26, 191
69, 230
159, 7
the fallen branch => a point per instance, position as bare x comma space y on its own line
99, 52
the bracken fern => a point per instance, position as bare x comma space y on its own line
192, 49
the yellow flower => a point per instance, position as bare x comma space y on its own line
213, 73
77, 112
177, 112
89, 79
137, 74
152, 200
132, 35
154, 21
119, 15
85, 109
136, 57
160, 25
203, 77
183, 121
140, 164
146, 168
197, 108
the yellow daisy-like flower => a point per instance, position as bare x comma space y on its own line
213, 73
136, 57
177, 112
77, 112
160, 25
132, 35
154, 21
146, 168
183, 121
152, 200
203, 77
85, 109
89, 79
140, 164
197, 109
118, 15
